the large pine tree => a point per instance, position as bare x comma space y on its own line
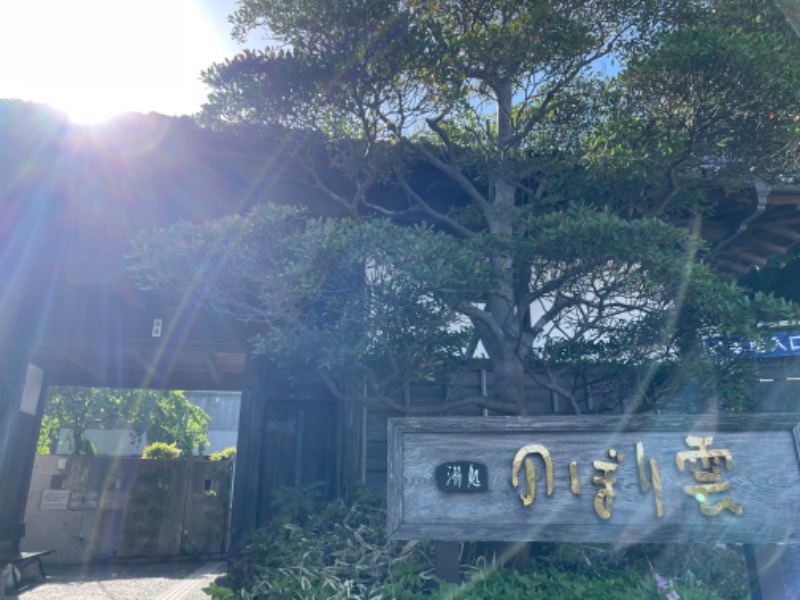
575, 140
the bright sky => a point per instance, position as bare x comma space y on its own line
94, 59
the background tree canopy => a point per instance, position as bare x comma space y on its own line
577, 143
163, 416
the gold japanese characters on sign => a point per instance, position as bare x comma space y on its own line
530, 471
704, 463
707, 470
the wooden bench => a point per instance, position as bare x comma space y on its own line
20, 560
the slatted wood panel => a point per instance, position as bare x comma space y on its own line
765, 480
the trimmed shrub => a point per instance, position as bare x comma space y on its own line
162, 450
226, 454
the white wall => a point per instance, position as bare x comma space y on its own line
114, 442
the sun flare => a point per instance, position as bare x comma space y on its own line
94, 59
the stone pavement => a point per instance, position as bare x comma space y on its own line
160, 581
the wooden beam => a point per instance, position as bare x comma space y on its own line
711, 231
783, 199
750, 257
211, 365
769, 246
147, 365
128, 293
80, 360
783, 216
730, 265
785, 232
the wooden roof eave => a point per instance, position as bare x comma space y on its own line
772, 226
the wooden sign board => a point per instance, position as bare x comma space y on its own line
622, 479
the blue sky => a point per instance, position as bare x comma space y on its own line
96, 58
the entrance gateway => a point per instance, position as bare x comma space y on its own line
68, 309
619, 480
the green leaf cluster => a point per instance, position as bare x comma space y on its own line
163, 416
226, 454
624, 301
160, 450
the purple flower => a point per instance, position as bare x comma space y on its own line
673, 595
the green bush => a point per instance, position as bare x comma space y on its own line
226, 454
316, 550
162, 450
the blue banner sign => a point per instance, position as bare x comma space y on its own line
777, 344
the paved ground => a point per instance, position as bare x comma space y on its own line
163, 581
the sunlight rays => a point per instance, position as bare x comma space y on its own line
95, 59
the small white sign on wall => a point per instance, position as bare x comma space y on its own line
84, 500
55, 500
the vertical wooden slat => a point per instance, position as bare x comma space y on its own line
249, 448
351, 446
484, 391
339, 440
298, 454
363, 450
394, 488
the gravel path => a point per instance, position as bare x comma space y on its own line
163, 581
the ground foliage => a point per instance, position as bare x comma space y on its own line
340, 550
568, 149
